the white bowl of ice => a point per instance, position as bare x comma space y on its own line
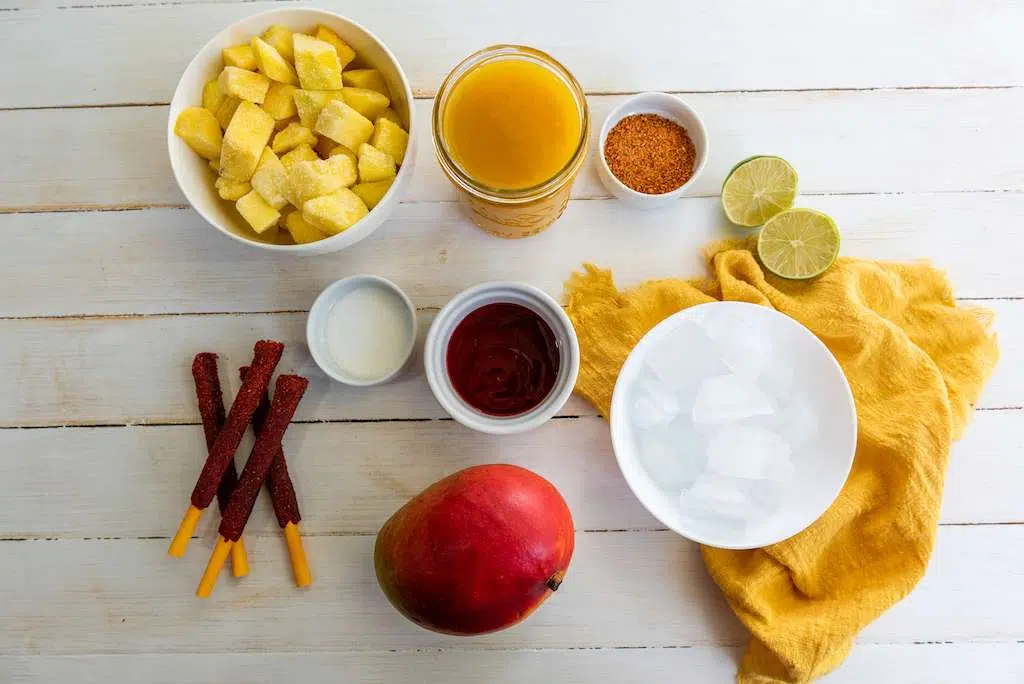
733, 424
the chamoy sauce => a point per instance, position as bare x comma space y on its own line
511, 124
503, 359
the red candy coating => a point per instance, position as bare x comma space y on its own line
211, 409
266, 355
287, 393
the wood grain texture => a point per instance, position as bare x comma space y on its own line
623, 589
992, 663
638, 50
135, 370
876, 141
109, 263
350, 477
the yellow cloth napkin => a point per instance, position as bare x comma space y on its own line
916, 362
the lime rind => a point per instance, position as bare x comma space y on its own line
758, 188
798, 244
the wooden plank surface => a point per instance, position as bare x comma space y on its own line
653, 46
847, 142
351, 476
629, 589
992, 663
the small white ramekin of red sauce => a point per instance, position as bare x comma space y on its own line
502, 357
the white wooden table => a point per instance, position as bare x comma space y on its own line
904, 119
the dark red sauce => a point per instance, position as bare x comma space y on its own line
503, 359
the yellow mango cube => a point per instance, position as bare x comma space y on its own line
375, 165
336, 212
226, 110
198, 127
212, 97
341, 149
301, 230
256, 212
309, 103
310, 179
300, 154
371, 79
215, 165
391, 115
280, 101
244, 140
345, 52
291, 137
231, 190
344, 125
372, 193
240, 56
391, 138
285, 123
269, 179
272, 64
281, 38
317, 63
245, 85
367, 102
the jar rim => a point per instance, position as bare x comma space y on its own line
456, 174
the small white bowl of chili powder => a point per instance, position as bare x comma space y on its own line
653, 146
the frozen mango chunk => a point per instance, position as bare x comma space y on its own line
301, 230
215, 165
246, 85
198, 127
341, 149
344, 125
280, 101
300, 154
309, 103
345, 52
367, 102
310, 179
371, 79
244, 140
272, 64
269, 179
226, 110
291, 137
212, 97
391, 115
391, 138
281, 38
256, 212
240, 56
336, 212
317, 63
372, 193
375, 165
231, 190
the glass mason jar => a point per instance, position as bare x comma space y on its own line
522, 212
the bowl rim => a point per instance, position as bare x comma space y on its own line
320, 246
619, 447
437, 372
619, 113
320, 309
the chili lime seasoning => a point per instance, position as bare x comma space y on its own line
649, 153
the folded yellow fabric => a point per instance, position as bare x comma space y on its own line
916, 362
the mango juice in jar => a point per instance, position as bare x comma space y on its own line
510, 130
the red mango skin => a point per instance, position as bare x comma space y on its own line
477, 551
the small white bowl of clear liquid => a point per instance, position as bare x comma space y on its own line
361, 330
733, 425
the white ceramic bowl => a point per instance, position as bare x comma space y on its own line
792, 358
317, 330
467, 301
193, 174
672, 108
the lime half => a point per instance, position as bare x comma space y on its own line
798, 244
757, 189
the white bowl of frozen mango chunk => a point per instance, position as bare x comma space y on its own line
292, 131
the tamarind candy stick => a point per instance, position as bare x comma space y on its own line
282, 495
211, 409
266, 355
288, 392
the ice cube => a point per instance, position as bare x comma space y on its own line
728, 398
742, 343
745, 451
714, 496
672, 454
653, 405
684, 358
796, 419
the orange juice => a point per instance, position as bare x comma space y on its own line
511, 124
